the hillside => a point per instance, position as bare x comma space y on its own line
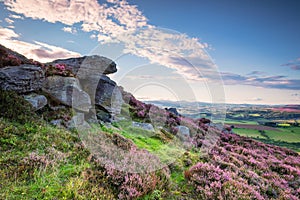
67, 131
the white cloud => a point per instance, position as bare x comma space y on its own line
11, 27
7, 34
90, 13
71, 30
9, 21
123, 23
16, 16
93, 36
38, 50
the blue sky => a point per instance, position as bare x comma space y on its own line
237, 51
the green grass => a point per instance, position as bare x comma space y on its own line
168, 149
248, 132
162, 144
291, 134
285, 137
38, 161
231, 121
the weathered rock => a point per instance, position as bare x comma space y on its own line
103, 115
78, 122
183, 132
145, 126
67, 91
108, 96
22, 79
88, 65
37, 101
172, 110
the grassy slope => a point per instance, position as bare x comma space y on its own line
39, 161
43, 162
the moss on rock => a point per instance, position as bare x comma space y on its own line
15, 108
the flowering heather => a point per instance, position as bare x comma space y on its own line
133, 171
153, 114
58, 69
10, 58
241, 168
235, 167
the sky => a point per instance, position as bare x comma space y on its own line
233, 51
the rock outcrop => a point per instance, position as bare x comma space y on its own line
89, 65
67, 90
21, 79
172, 110
104, 93
108, 96
85, 87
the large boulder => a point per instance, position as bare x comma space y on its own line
91, 72
67, 91
87, 66
21, 79
108, 96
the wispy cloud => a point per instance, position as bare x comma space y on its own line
37, 50
90, 13
278, 82
16, 16
10, 26
294, 64
9, 21
117, 21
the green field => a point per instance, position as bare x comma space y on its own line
285, 137
230, 121
248, 132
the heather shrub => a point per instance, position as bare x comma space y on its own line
11, 58
134, 172
58, 69
16, 108
256, 170
137, 185
234, 189
207, 179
